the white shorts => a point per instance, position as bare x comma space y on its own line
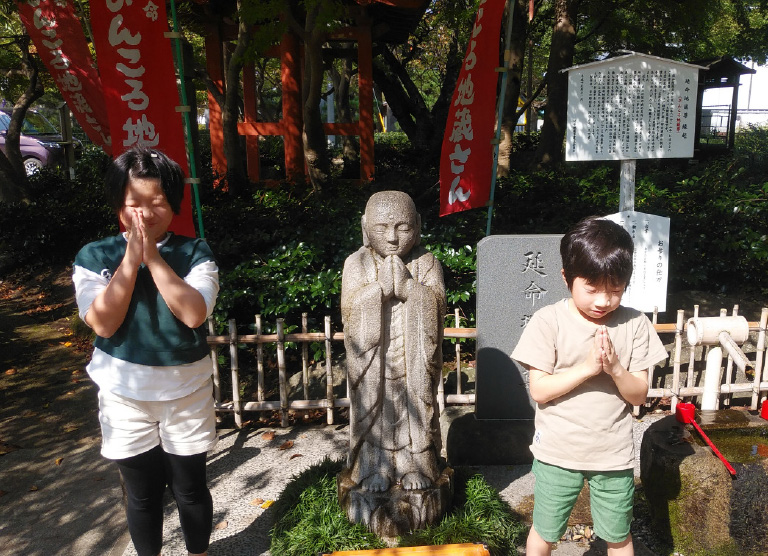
183, 427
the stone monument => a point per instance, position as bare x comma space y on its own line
392, 306
516, 276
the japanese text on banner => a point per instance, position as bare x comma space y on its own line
139, 77
58, 36
467, 152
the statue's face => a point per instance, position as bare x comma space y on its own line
391, 229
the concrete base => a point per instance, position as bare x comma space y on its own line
395, 512
471, 441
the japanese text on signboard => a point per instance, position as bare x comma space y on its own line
631, 109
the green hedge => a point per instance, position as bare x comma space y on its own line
281, 251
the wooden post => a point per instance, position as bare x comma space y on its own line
365, 80
304, 358
290, 64
627, 186
679, 325
250, 108
692, 356
235, 374
259, 362
759, 358
214, 56
328, 371
215, 364
729, 368
281, 373
457, 324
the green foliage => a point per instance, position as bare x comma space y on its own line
291, 279
309, 520
62, 216
479, 516
682, 30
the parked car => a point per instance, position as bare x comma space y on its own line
41, 143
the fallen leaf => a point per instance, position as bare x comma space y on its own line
33, 488
77, 372
59, 461
269, 435
296, 456
221, 525
285, 445
10, 372
267, 504
257, 502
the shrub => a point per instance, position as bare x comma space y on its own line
479, 515
62, 216
309, 520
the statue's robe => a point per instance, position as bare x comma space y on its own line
394, 363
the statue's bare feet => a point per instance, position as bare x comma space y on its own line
375, 483
415, 481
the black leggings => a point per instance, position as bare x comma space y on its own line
144, 480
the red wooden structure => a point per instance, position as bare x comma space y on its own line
396, 17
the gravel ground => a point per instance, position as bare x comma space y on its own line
249, 468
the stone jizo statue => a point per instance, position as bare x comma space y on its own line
393, 305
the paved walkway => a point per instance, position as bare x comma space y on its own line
72, 506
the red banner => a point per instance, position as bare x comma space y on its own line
467, 155
139, 79
58, 36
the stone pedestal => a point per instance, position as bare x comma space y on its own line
397, 511
695, 504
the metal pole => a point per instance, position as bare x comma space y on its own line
187, 124
500, 113
627, 185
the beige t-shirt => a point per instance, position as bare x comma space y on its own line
589, 428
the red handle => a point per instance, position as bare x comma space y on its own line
728, 466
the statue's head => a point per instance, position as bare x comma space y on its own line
391, 225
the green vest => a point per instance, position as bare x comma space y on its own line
150, 334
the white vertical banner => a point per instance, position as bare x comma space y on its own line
650, 233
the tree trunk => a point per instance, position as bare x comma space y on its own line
350, 148
313, 135
403, 98
424, 127
440, 109
516, 50
551, 144
230, 111
14, 186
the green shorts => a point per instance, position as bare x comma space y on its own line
555, 492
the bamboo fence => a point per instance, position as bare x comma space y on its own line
692, 366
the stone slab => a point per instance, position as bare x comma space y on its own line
516, 275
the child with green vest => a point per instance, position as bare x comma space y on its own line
147, 293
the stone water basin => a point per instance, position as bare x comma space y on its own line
696, 506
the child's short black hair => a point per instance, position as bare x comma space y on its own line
144, 162
599, 251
